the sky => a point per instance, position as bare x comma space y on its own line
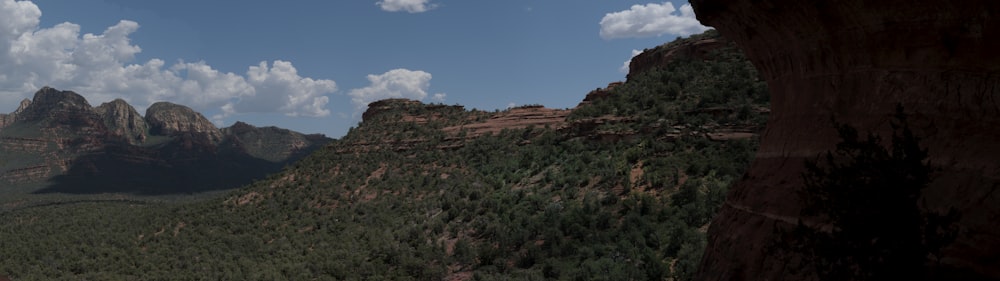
313, 65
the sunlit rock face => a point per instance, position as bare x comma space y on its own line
853, 61
166, 118
122, 120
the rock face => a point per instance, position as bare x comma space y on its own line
385, 118
514, 118
57, 108
7, 119
166, 118
122, 120
854, 61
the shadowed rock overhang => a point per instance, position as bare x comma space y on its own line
854, 61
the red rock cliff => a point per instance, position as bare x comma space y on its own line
854, 60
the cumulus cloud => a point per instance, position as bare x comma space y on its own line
410, 6
396, 83
101, 67
303, 96
650, 20
624, 68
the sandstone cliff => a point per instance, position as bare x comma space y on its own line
122, 120
55, 109
385, 120
697, 47
380, 107
7, 119
854, 61
166, 118
46, 134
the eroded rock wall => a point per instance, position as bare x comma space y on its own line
854, 61
122, 120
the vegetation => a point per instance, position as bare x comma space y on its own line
399, 198
868, 197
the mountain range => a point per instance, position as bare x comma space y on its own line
58, 142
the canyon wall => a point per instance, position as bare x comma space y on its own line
853, 61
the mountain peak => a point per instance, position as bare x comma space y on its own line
60, 140
58, 107
167, 118
122, 119
48, 95
24, 104
7, 119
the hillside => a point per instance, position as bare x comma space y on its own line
621, 187
58, 143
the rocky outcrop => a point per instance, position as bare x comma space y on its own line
7, 119
854, 61
60, 109
123, 120
386, 123
166, 118
598, 94
698, 48
379, 107
511, 119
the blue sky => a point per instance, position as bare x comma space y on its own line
311, 66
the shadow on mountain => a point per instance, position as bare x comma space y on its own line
189, 163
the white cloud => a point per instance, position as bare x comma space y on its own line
410, 6
283, 85
19, 18
101, 67
650, 20
625, 66
396, 83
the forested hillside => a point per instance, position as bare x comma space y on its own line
620, 188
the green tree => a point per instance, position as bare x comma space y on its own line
870, 196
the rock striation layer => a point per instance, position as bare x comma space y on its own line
853, 61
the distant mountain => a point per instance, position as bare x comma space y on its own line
58, 142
